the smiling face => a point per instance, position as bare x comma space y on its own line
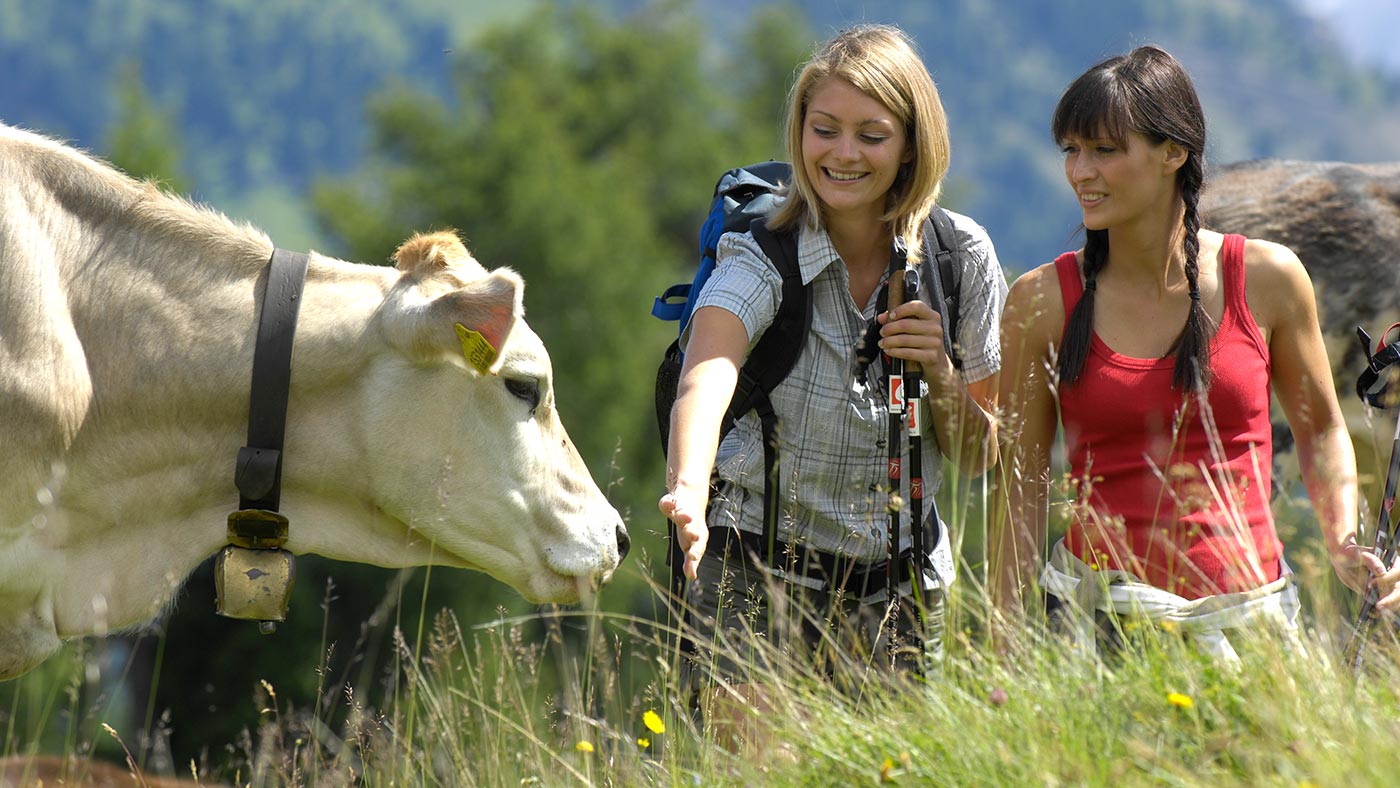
852, 149
1117, 183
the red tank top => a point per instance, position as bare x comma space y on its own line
1173, 492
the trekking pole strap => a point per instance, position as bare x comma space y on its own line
1376, 363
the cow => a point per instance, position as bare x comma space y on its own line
128, 319
1343, 222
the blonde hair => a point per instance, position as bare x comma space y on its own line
881, 62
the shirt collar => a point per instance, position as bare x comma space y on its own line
814, 252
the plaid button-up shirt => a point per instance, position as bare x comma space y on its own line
833, 426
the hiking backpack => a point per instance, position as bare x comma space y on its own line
743, 198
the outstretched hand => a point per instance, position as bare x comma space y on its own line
688, 514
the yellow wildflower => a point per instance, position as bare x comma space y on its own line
654, 723
1179, 700
887, 771
584, 746
644, 743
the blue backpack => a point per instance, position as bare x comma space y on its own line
743, 199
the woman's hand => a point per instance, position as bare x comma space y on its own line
913, 331
686, 508
1359, 568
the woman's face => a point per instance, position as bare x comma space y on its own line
1115, 183
852, 148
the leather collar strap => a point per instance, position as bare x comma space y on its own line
259, 472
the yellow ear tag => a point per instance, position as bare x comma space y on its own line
480, 354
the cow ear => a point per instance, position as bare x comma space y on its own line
481, 313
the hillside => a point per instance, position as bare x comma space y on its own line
269, 97
1273, 82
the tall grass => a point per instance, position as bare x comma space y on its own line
495, 705
592, 697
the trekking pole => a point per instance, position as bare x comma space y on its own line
906, 390
1385, 542
914, 392
896, 394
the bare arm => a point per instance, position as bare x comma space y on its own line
1030, 330
1282, 297
716, 350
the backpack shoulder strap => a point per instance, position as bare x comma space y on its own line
944, 254
768, 364
776, 351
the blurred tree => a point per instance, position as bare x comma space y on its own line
142, 139
581, 151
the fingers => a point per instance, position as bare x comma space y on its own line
691, 531
1371, 562
1391, 601
1353, 567
694, 538
909, 309
1387, 582
668, 506
1361, 569
915, 332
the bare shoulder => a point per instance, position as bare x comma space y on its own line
1277, 285
1034, 307
1270, 259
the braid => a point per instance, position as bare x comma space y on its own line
1147, 92
1193, 371
1074, 347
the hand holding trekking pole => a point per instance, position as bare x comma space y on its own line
1386, 538
912, 393
905, 390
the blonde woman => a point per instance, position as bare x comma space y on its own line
869, 145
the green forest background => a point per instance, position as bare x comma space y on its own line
577, 143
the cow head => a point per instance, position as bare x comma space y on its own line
465, 443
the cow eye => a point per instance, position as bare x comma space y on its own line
527, 389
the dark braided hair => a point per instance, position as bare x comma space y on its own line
1149, 92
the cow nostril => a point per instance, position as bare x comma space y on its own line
624, 542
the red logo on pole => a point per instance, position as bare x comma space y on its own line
896, 394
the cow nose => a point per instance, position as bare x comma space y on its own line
624, 542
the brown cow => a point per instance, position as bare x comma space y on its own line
1343, 222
